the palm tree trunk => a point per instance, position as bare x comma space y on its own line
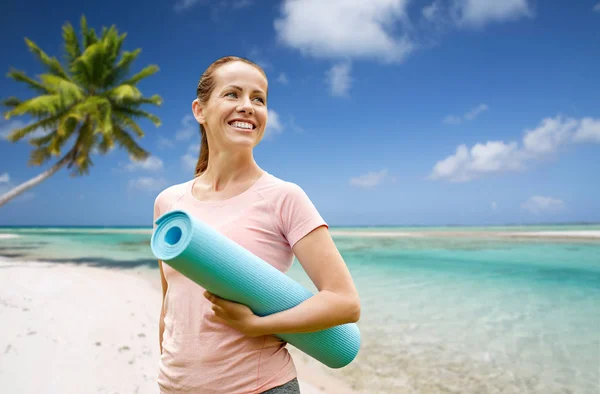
23, 187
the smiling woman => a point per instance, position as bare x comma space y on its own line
209, 344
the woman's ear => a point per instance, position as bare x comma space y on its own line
198, 111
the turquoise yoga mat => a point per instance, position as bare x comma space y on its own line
230, 271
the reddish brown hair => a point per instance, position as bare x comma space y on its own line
205, 88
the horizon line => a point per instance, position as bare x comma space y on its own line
577, 223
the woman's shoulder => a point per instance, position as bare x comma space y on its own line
170, 194
284, 194
276, 187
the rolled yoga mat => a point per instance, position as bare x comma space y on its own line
230, 271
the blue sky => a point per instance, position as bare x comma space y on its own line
388, 112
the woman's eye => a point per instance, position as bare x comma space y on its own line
230, 93
260, 99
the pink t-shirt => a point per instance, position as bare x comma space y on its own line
200, 356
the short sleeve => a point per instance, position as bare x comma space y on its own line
156, 211
298, 214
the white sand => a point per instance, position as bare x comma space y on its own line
77, 329
560, 234
570, 234
374, 234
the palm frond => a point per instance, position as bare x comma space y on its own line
146, 72
20, 76
126, 122
89, 107
67, 124
88, 63
134, 103
49, 104
105, 143
58, 85
43, 140
122, 68
39, 156
123, 93
46, 123
137, 113
84, 144
11, 102
56, 144
125, 141
72, 49
89, 35
104, 120
51, 62
113, 43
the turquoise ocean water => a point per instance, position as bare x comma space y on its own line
441, 314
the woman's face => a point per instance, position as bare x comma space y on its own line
235, 115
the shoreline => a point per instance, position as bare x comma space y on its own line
74, 328
545, 234
540, 235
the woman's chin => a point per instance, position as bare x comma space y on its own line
242, 142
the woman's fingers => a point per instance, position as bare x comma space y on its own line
219, 311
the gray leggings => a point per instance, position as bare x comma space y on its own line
291, 387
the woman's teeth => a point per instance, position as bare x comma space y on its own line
242, 125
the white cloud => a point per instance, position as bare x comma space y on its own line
190, 159
282, 78
344, 28
148, 184
588, 131
452, 119
274, 125
549, 135
494, 205
470, 115
4, 178
165, 142
542, 204
339, 80
597, 7
466, 165
498, 156
477, 13
371, 179
189, 127
152, 163
432, 12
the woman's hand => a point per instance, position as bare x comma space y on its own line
235, 315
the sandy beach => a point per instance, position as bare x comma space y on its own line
77, 329
571, 235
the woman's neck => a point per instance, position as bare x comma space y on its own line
224, 169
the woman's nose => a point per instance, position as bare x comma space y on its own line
246, 106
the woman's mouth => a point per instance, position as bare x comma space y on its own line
242, 125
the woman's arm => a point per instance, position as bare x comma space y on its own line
337, 301
161, 321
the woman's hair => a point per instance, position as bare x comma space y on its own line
203, 92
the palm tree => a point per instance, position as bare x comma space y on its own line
88, 107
